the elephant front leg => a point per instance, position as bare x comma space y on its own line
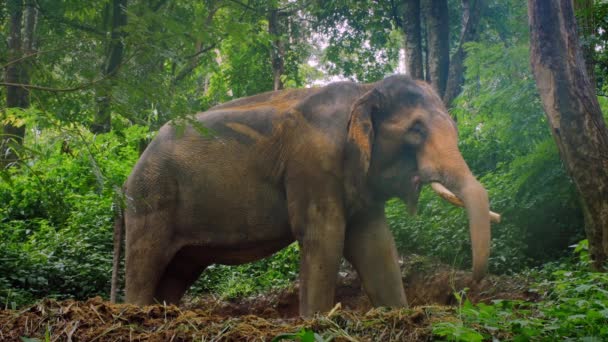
370, 248
318, 224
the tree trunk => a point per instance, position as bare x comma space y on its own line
438, 43
413, 39
573, 113
586, 26
277, 48
30, 21
471, 13
102, 122
425, 48
16, 97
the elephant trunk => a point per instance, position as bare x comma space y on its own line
468, 192
441, 161
475, 199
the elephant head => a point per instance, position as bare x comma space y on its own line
400, 136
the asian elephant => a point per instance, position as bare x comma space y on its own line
311, 165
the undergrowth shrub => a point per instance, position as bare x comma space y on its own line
56, 224
276, 271
574, 306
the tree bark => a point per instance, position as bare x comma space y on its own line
277, 48
471, 13
16, 97
102, 122
30, 21
413, 38
573, 113
425, 48
436, 14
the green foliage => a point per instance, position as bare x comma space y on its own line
304, 335
361, 40
246, 67
594, 15
180, 57
574, 307
277, 271
456, 332
56, 229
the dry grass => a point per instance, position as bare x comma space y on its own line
97, 320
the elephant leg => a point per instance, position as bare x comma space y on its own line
370, 248
318, 225
147, 252
179, 275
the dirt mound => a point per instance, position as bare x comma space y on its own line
96, 320
426, 283
430, 282
430, 289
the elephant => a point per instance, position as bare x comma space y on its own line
312, 165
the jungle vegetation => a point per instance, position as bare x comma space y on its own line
86, 85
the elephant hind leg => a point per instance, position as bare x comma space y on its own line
183, 270
143, 272
148, 251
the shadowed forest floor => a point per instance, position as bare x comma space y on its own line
430, 291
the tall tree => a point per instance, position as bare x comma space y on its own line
22, 23
573, 113
438, 39
413, 38
471, 13
114, 56
277, 47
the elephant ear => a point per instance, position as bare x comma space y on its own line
359, 142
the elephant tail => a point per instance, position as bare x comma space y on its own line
119, 233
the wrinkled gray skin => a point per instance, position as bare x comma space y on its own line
310, 165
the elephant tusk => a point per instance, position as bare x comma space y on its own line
447, 195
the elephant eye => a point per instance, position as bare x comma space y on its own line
415, 134
417, 128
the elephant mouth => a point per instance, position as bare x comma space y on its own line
411, 196
412, 193
416, 183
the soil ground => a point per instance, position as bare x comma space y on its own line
429, 288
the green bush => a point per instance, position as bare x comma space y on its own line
276, 271
574, 307
56, 226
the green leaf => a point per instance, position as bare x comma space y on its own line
28, 339
304, 335
591, 339
6, 177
